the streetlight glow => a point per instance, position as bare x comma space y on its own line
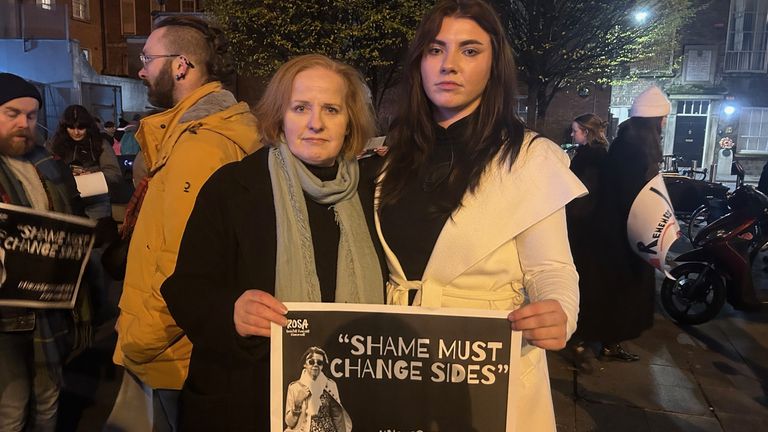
641, 16
729, 110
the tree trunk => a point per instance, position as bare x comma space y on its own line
533, 91
542, 102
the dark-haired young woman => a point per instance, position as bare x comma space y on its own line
78, 142
472, 204
633, 159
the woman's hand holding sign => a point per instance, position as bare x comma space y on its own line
255, 311
543, 323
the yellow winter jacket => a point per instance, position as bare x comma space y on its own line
182, 147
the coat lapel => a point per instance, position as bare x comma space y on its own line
507, 202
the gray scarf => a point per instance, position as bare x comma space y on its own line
358, 276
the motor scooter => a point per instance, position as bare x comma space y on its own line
719, 268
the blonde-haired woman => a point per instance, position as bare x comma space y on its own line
587, 240
291, 222
589, 130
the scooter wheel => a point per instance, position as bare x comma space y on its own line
689, 303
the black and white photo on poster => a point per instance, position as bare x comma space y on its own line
389, 368
42, 257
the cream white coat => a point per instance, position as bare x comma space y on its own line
507, 245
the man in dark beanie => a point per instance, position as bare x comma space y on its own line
20, 101
33, 343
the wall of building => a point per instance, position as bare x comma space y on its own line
28, 20
115, 41
9, 19
43, 61
60, 70
741, 89
88, 33
707, 31
46, 62
134, 93
566, 105
120, 59
122, 47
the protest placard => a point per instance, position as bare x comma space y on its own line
388, 368
42, 257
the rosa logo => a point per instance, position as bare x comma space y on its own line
297, 327
300, 324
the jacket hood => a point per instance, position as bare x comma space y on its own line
208, 108
208, 105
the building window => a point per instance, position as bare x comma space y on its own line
753, 130
188, 6
746, 45
81, 9
46, 4
693, 107
128, 16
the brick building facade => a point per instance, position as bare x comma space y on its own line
719, 93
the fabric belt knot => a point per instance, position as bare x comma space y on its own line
426, 293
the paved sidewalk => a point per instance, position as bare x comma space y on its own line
711, 377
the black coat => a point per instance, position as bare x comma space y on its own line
229, 246
620, 305
762, 184
588, 242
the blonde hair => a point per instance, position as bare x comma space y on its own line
595, 128
271, 109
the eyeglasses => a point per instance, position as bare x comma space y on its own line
313, 362
146, 58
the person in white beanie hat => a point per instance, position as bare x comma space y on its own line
650, 103
633, 159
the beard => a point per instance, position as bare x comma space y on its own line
10, 146
160, 91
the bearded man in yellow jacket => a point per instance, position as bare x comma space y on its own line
204, 128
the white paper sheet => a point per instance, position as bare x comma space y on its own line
91, 184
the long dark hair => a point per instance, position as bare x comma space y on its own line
496, 127
76, 116
639, 142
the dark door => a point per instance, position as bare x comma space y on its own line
689, 139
